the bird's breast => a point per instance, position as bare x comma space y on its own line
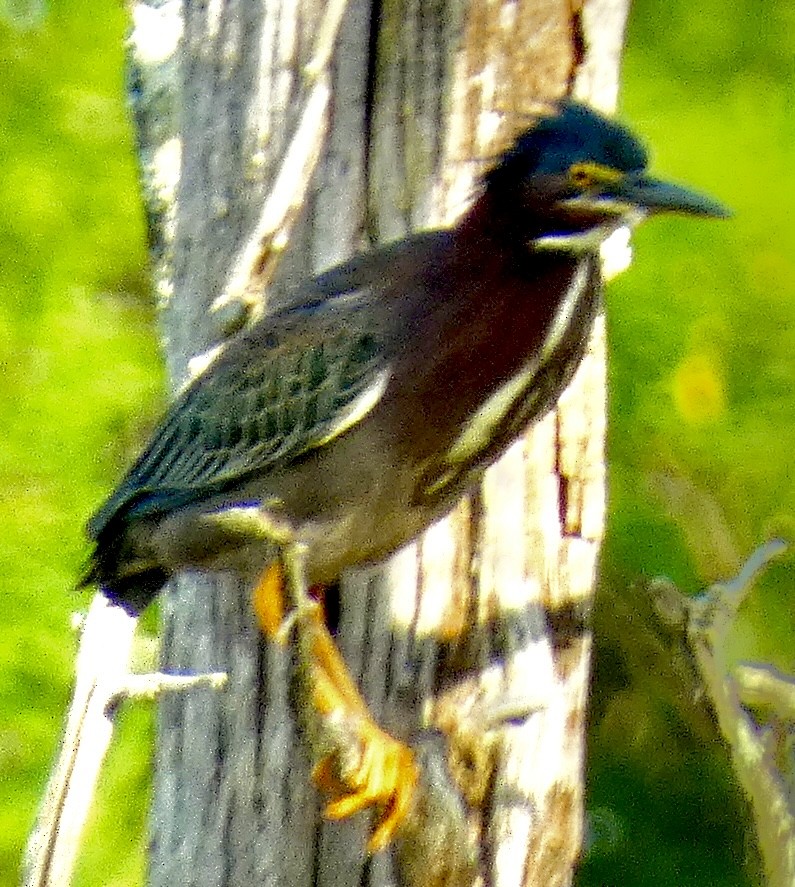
478, 373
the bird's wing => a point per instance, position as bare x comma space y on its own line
295, 383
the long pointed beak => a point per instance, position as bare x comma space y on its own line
655, 195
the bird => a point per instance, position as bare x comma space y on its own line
335, 430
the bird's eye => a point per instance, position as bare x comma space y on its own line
580, 175
592, 175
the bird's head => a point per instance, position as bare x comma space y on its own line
576, 176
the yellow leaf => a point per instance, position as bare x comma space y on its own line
698, 389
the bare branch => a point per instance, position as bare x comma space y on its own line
711, 617
764, 685
102, 683
103, 659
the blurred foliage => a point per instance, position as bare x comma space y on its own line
80, 375
702, 424
702, 412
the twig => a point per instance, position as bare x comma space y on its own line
103, 658
102, 683
764, 685
149, 687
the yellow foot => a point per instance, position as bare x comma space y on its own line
383, 773
360, 764
385, 777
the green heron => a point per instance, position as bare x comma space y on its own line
336, 430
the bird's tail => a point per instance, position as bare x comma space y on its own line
123, 575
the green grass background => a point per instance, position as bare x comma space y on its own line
702, 417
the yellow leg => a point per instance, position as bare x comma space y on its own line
268, 598
385, 773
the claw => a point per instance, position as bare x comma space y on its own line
385, 777
366, 767
385, 773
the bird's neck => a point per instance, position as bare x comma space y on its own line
496, 332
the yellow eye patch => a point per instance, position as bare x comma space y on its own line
591, 175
